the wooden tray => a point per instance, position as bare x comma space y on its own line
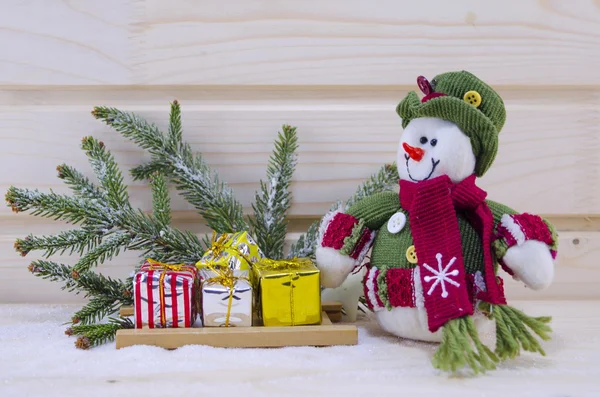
326, 334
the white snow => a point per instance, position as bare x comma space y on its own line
269, 215
99, 168
204, 179
37, 359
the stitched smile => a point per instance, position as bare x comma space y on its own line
434, 164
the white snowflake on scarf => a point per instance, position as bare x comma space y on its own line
441, 276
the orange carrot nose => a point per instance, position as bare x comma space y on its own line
415, 153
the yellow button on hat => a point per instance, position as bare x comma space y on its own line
473, 98
411, 255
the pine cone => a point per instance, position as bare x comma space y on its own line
60, 169
75, 275
82, 343
33, 268
19, 247
75, 320
69, 331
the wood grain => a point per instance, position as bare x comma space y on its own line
344, 138
325, 334
386, 42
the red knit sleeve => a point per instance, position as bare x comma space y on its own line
347, 234
337, 230
518, 228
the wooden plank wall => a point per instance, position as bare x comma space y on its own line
335, 69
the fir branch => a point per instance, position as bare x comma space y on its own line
114, 217
110, 246
77, 240
94, 284
269, 225
384, 180
89, 283
161, 202
304, 246
50, 205
97, 334
80, 184
175, 127
132, 126
200, 186
144, 171
96, 309
165, 243
107, 171
55, 272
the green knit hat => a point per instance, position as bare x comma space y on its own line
468, 102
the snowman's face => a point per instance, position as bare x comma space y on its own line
432, 147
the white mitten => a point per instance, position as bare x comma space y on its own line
531, 263
334, 266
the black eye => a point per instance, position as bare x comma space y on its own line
423, 140
433, 142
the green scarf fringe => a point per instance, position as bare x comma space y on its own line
513, 331
461, 345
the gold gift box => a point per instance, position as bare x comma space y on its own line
236, 251
288, 292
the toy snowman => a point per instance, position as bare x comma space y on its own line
438, 245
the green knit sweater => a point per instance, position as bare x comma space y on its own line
389, 250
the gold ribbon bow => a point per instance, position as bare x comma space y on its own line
283, 264
218, 246
226, 277
155, 265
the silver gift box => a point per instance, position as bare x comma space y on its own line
215, 300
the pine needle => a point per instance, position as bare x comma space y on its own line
269, 225
198, 184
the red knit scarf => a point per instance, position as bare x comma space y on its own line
433, 206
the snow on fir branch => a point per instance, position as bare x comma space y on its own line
272, 202
108, 225
71, 241
107, 171
383, 180
198, 184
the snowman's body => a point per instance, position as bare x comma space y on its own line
451, 154
411, 323
429, 148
